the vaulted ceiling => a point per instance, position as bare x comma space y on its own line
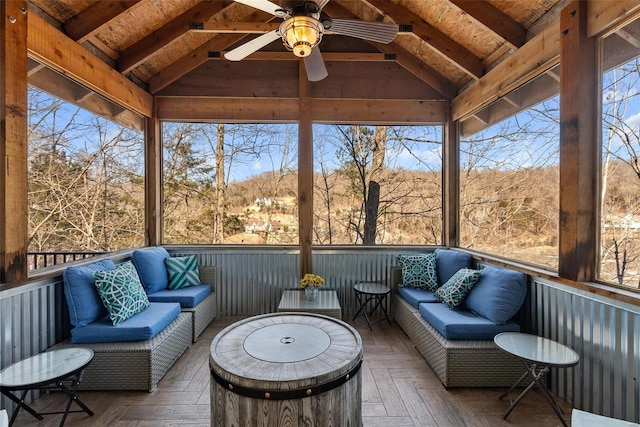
175, 48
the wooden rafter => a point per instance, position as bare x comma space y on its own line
538, 55
405, 59
444, 45
52, 48
191, 61
137, 53
495, 20
198, 56
419, 69
86, 23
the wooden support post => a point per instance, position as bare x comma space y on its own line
579, 146
13, 141
153, 180
450, 184
305, 174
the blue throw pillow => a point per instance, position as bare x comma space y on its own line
81, 294
150, 265
121, 292
498, 295
419, 271
182, 271
457, 287
448, 262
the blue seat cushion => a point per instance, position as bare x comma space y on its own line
188, 297
498, 295
151, 267
83, 299
448, 262
142, 326
462, 324
416, 296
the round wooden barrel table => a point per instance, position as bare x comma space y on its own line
286, 370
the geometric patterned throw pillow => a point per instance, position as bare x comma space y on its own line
419, 271
121, 292
182, 271
457, 287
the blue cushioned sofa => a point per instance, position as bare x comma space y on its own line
136, 353
458, 343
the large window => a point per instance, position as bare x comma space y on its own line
377, 185
86, 181
620, 198
238, 183
230, 183
509, 175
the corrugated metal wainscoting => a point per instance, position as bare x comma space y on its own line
250, 281
606, 335
32, 318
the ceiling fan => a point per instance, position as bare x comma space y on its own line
302, 30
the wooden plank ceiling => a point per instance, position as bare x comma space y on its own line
443, 47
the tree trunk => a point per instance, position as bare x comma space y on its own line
372, 201
218, 224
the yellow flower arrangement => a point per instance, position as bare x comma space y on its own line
310, 280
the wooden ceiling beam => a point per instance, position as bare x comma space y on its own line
441, 43
137, 53
327, 56
323, 110
234, 27
50, 47
536, 56
495, 20
83, 25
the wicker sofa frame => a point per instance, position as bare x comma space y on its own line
457, 363
204, 313
136, 365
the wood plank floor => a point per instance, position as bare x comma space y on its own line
398, 389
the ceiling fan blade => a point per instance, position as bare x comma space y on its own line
241, 52
381, 32
314, 65
264, 5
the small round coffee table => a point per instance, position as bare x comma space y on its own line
367, 292
537, 354
52, 370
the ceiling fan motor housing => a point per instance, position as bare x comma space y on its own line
300, 33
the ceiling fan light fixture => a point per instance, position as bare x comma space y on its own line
300, 34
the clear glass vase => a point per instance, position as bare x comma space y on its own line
311, 293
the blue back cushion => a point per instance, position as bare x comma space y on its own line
85, 305
188, 297
416, 296
462, 324
142, 326
151, 267
448, 262
498, 295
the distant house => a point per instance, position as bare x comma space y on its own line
257, 226
267, 202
